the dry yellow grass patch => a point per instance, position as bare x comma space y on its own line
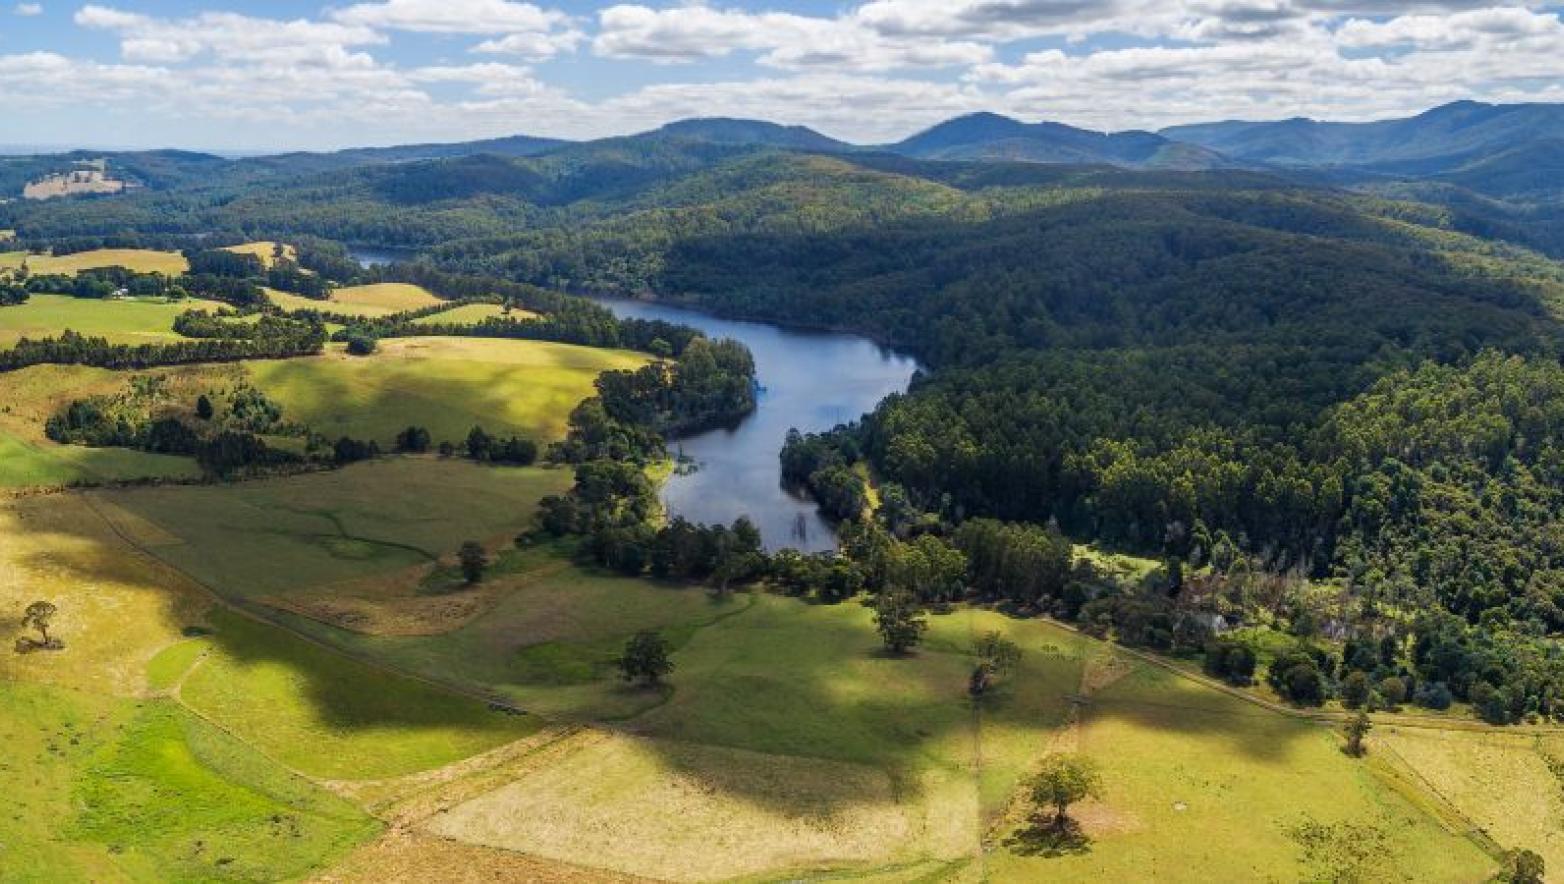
117, 606
384, 297
1501, 782
403, 856
266, 250
391, 604
377, 299
686, 812
139, 260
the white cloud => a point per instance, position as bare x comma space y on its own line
28, 9
230, 36
453, 16
688, 33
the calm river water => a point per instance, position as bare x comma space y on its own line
810, 380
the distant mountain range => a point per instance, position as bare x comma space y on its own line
1498, 169
1493, 148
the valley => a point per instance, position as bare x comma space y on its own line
729, 503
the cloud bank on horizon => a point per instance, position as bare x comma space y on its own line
285, 74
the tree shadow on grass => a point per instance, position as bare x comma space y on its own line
1049, 836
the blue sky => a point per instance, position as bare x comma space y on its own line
290, 74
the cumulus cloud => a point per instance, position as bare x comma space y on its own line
230, 36
521, 29
28, 9
872, 70
453, 16
785, 40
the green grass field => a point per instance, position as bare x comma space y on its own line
376, 299
467, 314
105, 789
121, 321
444, 384
328, 716
280, 536
787, 743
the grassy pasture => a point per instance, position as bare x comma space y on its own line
105, 789
784, 719
118, 606
327, 716
28, 458
266, 250
444, 384
274, 537
1203, 786
468, 314
138, 260
376, 299
1501, 782
121, 321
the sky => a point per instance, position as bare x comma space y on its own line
296, 74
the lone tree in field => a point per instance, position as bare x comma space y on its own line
899, 620
204, 408
473, 560
997, 658
1062, 781
39, 615
645, 658
1357, 729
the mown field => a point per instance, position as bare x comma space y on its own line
121, 321
444, 384
139, 260
376, 299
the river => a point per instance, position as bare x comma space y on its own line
809, 380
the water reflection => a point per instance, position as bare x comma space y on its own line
809, 380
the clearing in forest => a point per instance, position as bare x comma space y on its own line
446, 385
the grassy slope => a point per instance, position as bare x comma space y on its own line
444, 384
106, 789
471, 313
128, 321
376, 299
275, 536
805, 688
27, 458
328, 716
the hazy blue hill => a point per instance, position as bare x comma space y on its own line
726, 130
1439, 140
991, 137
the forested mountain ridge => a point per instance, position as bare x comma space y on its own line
986, 136
1436, 140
